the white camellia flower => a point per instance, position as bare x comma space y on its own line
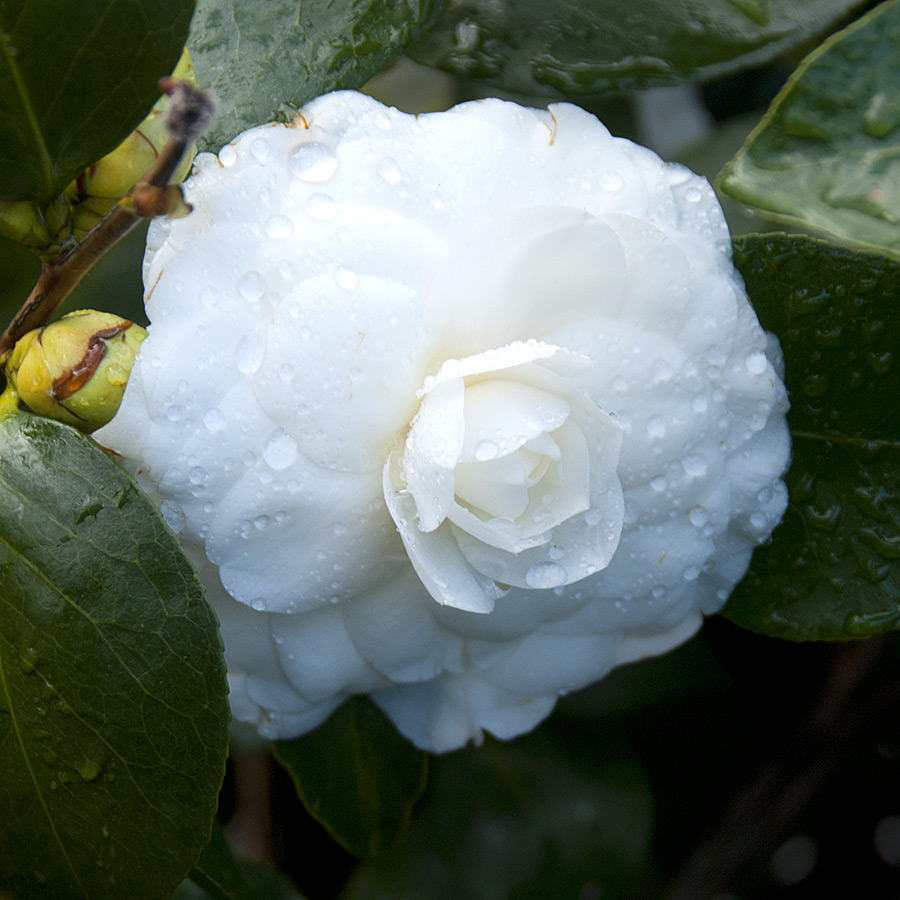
457, 410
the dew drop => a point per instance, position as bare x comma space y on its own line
389, 170
545, 575
691, 573
695, 466
278, 227
228, 156
214, 420
251, 286
693, 195
320, 207
280, 450
485, 450
756, 363
759, 520
312, 162
339, 528
208, 297
346, 278
249, 353
658, 484
698, 517
699, 404
656, 426
610, 181
196, 475
260, 149
592, 517
261, 522
174, 413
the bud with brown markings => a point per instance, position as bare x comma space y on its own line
76, 369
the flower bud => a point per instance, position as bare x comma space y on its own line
76, 369
94, 193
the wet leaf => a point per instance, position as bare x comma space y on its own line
266, 58
827, 153
113, 699
76, 78
832, 570
357, 776
548, 48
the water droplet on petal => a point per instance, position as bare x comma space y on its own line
691, 573
214, 420
251, 286
278, 227
699, 404
698, 516
756, 363
312, 162
545, 575
610, 181
260, 148
389, 170
228, 156
695, 466
280, 450
485, 450
320, 207
249, 353
656, 426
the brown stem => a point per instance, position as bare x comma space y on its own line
60, 276
760, 814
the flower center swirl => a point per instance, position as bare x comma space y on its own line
507, 477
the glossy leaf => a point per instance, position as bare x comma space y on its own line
113, 699
357, 776
832, 570
266, 58
547, 48
827, 154
76, 77
523, 821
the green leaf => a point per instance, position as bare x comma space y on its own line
545, 48
525, 821
357, 776
266, 58
76, 78
827, 153
832, 570
113, 699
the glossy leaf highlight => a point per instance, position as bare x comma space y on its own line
265, 58
827, 154
76, 77
357, 776
548, 48
832, 570
113, 699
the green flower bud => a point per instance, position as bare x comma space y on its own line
94, 193
76, 369
69, 217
